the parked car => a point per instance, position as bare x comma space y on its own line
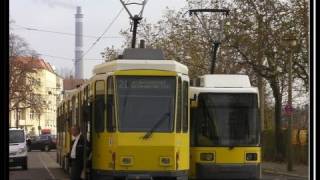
44, 142
17, 148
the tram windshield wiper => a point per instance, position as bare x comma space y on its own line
149, 133
231, 146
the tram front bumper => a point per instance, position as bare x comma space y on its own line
110, 175
228, 171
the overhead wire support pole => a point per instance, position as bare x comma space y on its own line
136, 19
215, 43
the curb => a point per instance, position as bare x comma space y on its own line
283, 173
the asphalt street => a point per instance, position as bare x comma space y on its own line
42, 166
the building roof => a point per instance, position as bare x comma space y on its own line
34, 62
71, 83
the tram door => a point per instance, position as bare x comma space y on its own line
86, 107
98, 128
103, 124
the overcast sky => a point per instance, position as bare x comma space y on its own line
58, 16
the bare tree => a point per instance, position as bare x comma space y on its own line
23, 83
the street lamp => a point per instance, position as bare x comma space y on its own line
291, 42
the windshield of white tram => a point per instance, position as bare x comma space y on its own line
225, 119
146, 103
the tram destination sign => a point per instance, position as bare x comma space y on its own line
144, 84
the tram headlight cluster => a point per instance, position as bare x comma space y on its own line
251, 156
126, 161
206, 156
165, 161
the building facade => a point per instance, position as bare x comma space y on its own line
50, 89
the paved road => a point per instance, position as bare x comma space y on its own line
268, 176
42, 166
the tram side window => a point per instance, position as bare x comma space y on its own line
73, 109
195, 116
99, 106
110, 106
80, 119
179, 96
77, 109
86, 106
185, 107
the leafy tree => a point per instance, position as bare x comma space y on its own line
256, 33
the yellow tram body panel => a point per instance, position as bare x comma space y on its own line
144, 155
66, 142
222, 155
226, 155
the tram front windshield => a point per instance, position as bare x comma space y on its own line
146, 103
225, 119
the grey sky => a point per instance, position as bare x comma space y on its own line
58, 15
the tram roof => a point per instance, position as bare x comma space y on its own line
225, 81
198, 90
138, 64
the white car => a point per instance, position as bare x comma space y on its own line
17, 148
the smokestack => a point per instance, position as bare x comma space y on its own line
78, 45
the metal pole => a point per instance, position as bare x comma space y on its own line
17, 118
289, 167
39, 124
135, 20
25, 124
214, 56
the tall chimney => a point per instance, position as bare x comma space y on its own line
78, 45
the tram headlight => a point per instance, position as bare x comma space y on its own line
165, 161
251, 156
206, 156
126, 161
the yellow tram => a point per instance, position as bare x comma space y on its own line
64, 116
135, 114
225, 128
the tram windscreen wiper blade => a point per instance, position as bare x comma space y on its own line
149, 133
232, 145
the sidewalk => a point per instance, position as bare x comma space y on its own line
281, 168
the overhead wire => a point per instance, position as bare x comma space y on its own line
62, 33
105, 31
93, 44
66, 58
